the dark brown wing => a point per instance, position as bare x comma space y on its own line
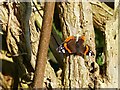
81, 40
80, 47
70, 46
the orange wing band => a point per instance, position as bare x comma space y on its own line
65, 45
69, 38
83, 38
87, 49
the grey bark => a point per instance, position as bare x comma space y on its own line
76, 18
17, 35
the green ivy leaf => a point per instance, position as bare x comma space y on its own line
100, 61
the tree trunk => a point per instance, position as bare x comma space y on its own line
85, 17
76, 19
15, 26
96, 20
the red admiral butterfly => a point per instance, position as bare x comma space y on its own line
73, 46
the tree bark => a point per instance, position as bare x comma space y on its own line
94, 19
16, 37
78, 18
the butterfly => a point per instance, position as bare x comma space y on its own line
76, 46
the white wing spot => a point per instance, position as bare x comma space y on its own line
63, 50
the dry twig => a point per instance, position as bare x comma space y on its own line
43, 45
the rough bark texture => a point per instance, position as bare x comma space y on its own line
93, 18
118, 42
107, 22
76, 19
16, 37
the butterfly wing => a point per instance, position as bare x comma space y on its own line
70, 46
80, 45
61, 49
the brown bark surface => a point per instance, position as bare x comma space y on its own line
20, 29
79, 18
76, 19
